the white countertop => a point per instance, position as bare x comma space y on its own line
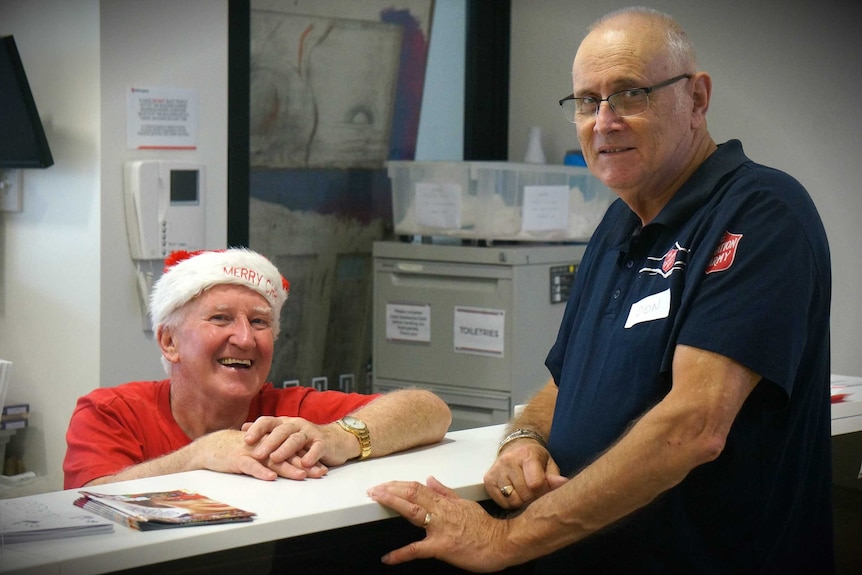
284, 508
288, 508
847, 414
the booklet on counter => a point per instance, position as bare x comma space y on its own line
23, 519
161, 509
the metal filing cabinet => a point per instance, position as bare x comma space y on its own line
471, 323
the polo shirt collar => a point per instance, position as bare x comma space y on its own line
694, 193
702, 184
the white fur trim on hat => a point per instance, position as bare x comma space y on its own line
187, 275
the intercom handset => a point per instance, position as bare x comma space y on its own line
164, 212
165, 207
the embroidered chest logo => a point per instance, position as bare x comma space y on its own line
725, 253
676, 258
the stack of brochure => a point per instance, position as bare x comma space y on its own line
15, 416
26, 519
161, 510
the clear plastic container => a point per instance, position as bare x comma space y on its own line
433, 198
496, 200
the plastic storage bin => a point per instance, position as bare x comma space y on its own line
496, 200
433, 199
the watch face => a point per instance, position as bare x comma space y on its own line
351, 421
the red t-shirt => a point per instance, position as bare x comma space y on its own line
115, 427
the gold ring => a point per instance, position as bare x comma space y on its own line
427, 520
507, 490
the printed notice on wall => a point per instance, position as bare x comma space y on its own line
407, 322
161, 118
480, 331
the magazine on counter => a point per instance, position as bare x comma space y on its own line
161, 509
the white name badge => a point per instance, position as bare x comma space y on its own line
653, 307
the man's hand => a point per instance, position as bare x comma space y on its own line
298, 443
522, 472
457, 531
228, 451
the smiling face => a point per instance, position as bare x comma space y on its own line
643, 158
222, 349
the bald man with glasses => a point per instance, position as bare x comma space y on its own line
686, 424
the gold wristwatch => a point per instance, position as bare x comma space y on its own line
358, 428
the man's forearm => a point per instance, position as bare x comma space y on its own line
175, 462
403, 419
211, 451
538, 412
630, 475
681, 432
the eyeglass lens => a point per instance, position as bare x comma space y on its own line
628, 103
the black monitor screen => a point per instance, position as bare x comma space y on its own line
184, 186
22, 139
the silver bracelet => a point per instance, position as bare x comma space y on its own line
521, 434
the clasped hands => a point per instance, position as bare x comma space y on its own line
271, 447
523, 472
459, 531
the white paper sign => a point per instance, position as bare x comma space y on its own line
480, 331
545, 208
438, 205
161, 118
406, 322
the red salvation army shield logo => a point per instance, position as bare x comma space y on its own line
725, 253
669, 260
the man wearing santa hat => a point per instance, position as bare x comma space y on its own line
216, 316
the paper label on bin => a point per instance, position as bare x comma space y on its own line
480, 331
438, 205
545, 208
408, 322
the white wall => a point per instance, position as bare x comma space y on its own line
785, 82
49, 252
70, 317
168, 44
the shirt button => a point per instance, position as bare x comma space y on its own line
630, 264
617, 294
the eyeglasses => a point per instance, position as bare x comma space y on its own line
631, 102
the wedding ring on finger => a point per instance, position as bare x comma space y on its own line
427, 520
507, 490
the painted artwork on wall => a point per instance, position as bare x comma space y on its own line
335, 91
322, 91
330, 91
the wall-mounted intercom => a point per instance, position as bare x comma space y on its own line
164, 207
165, 211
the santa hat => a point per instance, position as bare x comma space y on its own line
188, 274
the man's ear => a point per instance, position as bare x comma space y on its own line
701, 94
168, 344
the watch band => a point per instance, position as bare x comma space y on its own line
360, 431
521, 434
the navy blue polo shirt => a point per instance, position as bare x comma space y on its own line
736, 263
